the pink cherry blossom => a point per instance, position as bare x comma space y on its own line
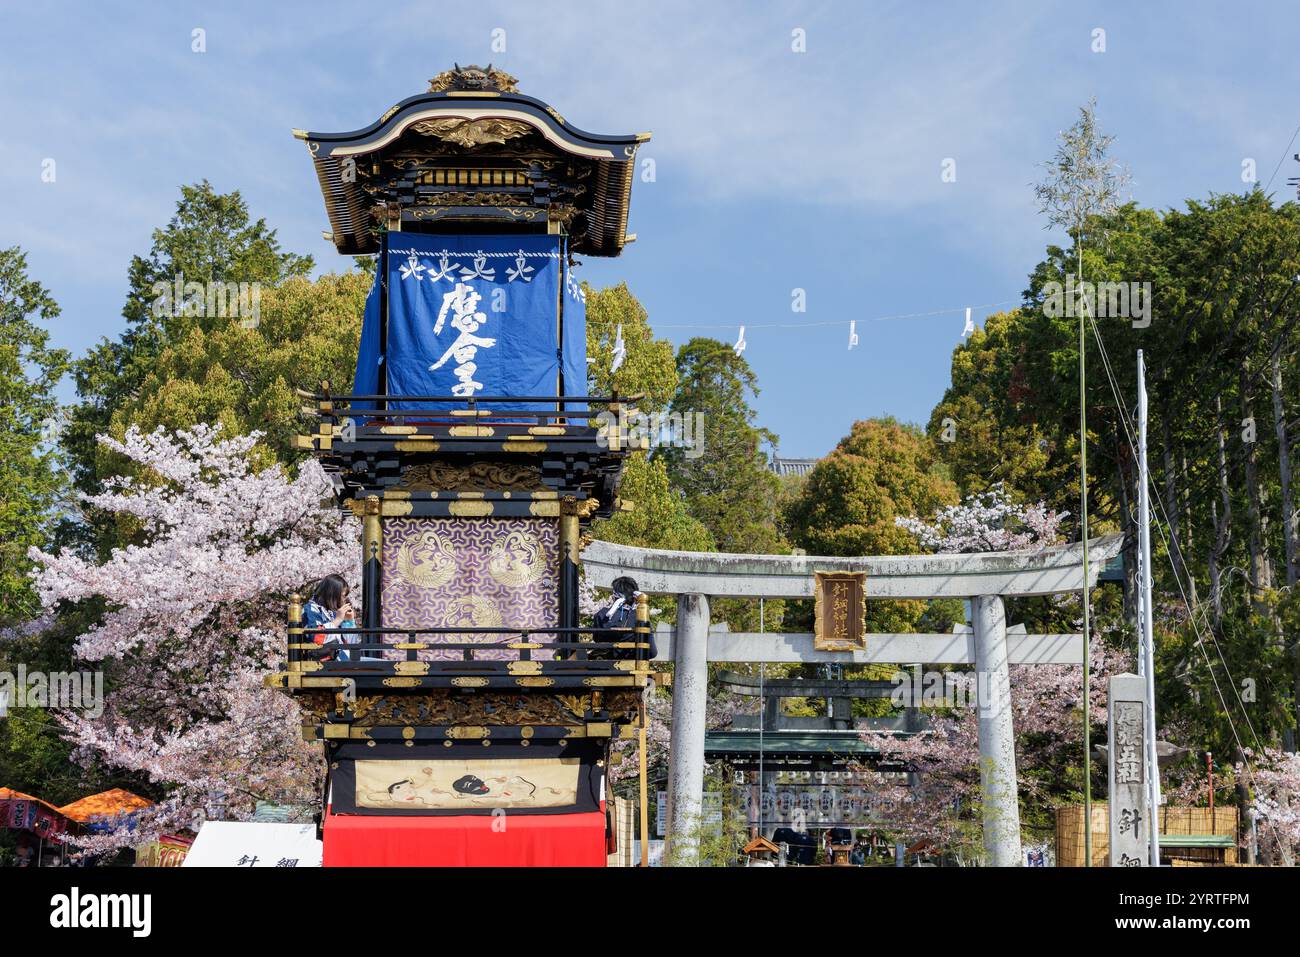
194, 621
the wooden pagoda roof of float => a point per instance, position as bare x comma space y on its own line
473, 147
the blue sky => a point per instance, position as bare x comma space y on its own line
775, 170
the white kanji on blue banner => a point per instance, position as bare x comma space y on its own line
468, 316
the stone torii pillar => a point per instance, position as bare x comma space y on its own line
997, 740
686, 758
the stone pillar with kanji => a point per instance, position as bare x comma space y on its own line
1129, 824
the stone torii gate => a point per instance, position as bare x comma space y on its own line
983, 578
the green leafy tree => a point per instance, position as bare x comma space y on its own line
1222, 351
244, 377
727, 485
985, 429
210, 239
658, 517
725, 482
880, 471
30, 476
647, 367
34, 756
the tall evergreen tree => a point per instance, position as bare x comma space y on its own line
726, 484
30, 477
658, 518
210, 239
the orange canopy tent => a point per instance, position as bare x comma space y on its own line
9, 794
106, 804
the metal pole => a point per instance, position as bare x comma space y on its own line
762, 720
1147, 666
1083, 518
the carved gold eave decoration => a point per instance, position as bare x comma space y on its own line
472, 199
469, 133
576, 705
433, 212
441, 708
584, 509
477, 477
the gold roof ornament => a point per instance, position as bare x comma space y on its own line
473, 79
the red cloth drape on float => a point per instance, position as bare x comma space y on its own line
526, 840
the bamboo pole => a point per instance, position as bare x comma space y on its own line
1083, 517
643, 635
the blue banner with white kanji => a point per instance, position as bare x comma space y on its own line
573, 344
470, 316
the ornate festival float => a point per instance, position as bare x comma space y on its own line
468, 718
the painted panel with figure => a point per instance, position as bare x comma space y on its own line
467, 783
475, 572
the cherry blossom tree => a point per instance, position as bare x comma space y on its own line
1274, 777
987, 522
194, 620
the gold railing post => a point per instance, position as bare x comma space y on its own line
372, 572
570, 532
642, 626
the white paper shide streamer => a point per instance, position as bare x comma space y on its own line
620, 349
